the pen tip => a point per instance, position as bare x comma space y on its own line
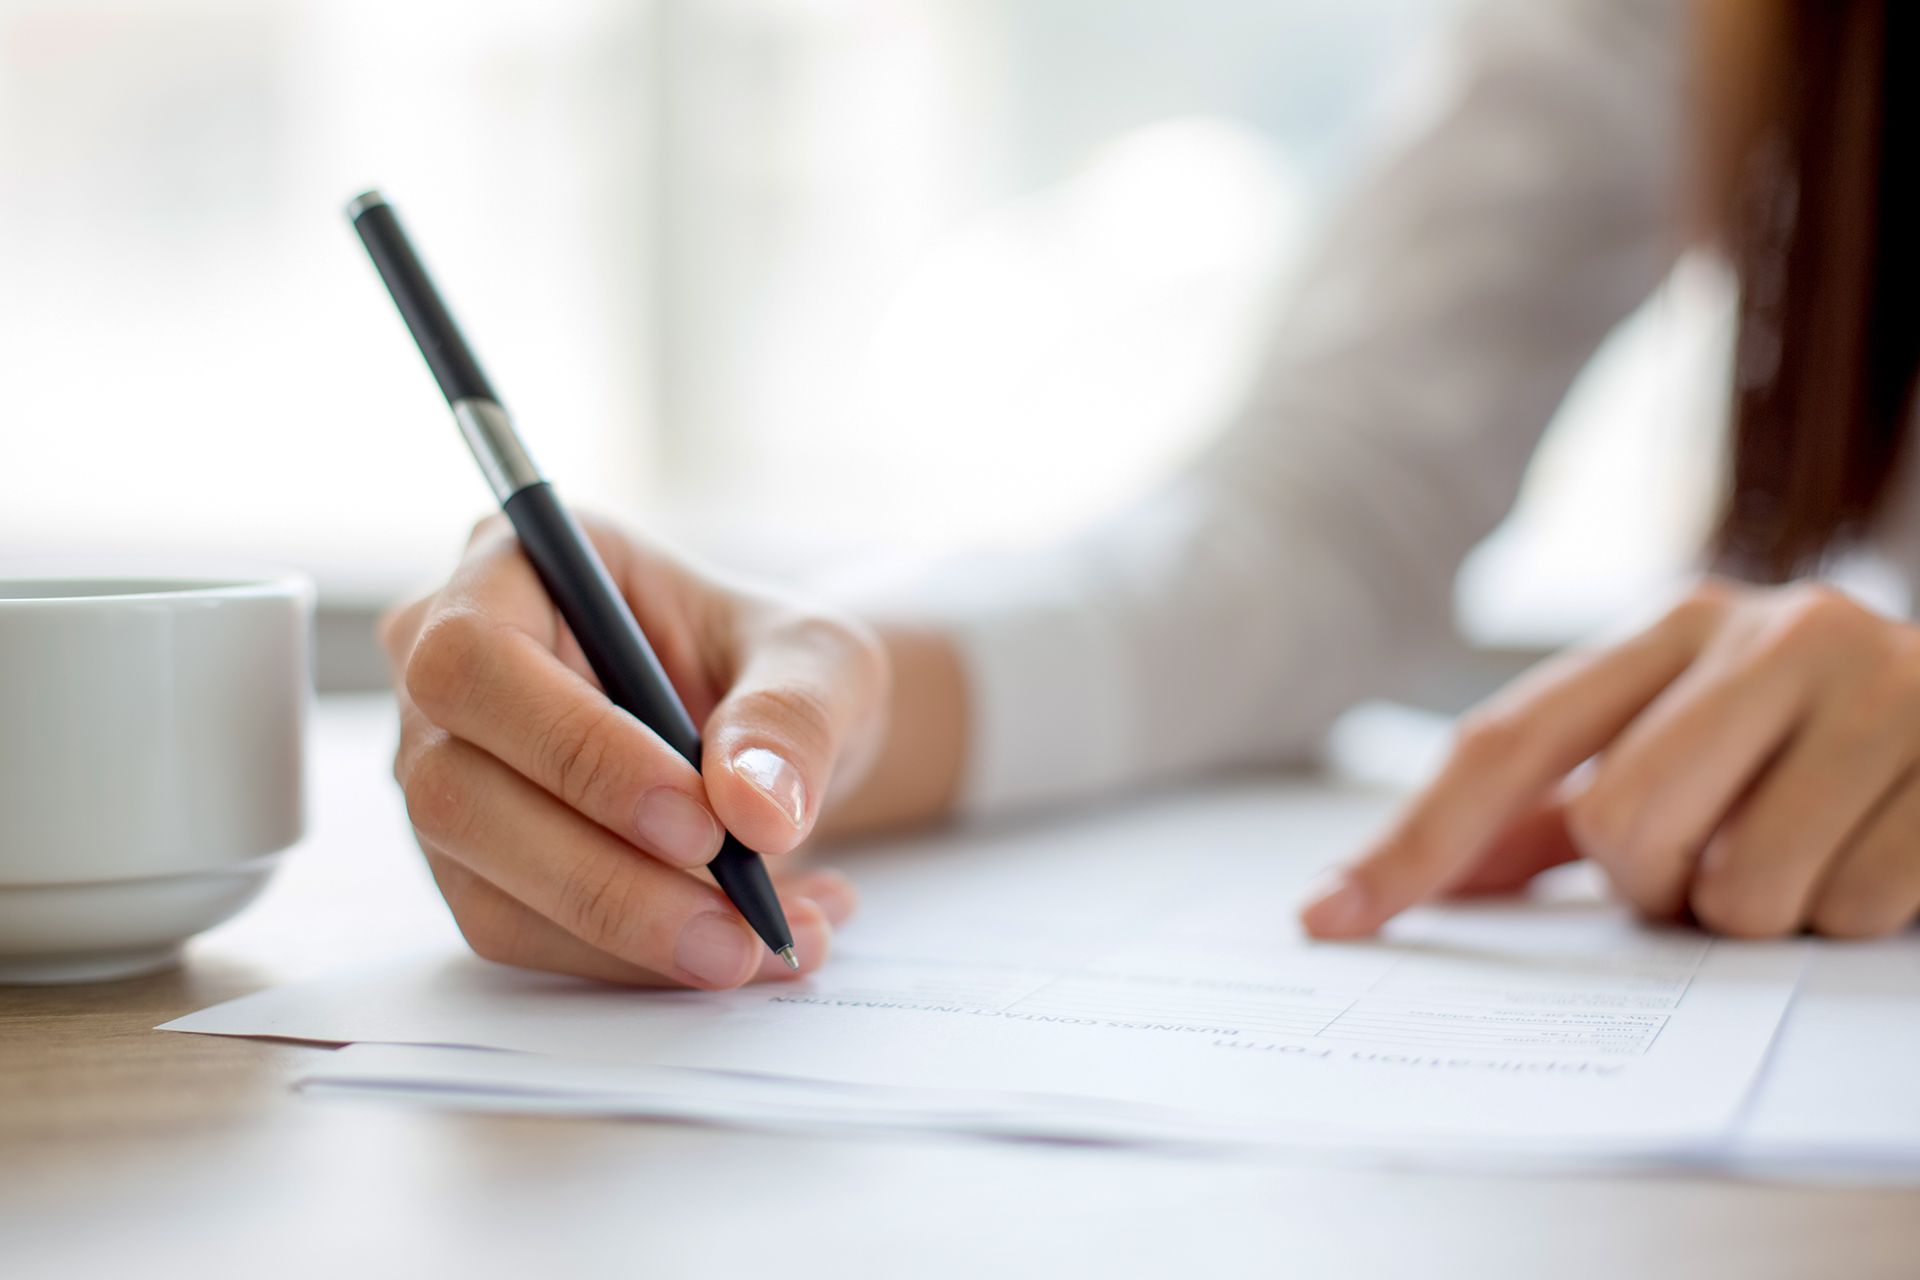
793, 961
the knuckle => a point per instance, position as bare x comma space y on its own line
578, 756
1734, 905
838, 642
489, 921
485, 943
798, 713
866, 652
1849, 913
849, 648
484, 528
1705, 603
447, 657
1605, 824
1650, 898
392, 631
596, 904
487, 933
436, 791
1813, 615
1601, 822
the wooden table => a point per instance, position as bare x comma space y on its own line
127, 1152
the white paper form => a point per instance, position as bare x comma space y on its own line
493, 1079
487, 1079
1842, 1087
1837, 1098
1149, 960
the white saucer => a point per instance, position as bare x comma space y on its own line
94, 932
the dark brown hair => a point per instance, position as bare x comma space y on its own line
1821, 224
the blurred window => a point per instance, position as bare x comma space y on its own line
793, 280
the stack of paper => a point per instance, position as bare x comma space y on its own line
1139, 978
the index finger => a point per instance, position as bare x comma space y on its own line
1510, 752
485, 670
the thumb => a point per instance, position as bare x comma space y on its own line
805, 703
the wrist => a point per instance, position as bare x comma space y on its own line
917, 769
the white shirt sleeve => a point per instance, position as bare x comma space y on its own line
1306, 561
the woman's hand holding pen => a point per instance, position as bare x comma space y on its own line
1755, 761
563, 833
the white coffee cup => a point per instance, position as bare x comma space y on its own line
151, 742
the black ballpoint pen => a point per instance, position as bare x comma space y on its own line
569, 567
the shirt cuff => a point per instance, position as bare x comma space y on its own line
1048, 717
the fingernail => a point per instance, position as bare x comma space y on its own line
774, 778
1340, 907
677, 827
716, 950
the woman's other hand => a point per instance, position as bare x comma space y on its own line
1752, 762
